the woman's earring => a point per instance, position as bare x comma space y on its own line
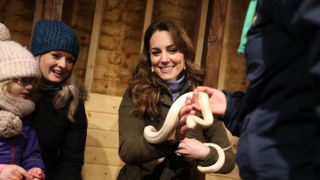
152, 69
184, 67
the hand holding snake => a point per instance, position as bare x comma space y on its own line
168, 129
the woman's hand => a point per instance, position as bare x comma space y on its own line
14, 172
218, 106
193, 149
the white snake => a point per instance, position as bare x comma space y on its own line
168, 128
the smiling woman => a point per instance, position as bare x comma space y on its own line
166, 60
60, 119
56, 66
165, 71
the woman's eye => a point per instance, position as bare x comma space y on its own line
155, 52
55, 56
70, 60
172, 50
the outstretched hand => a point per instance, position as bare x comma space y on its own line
217, 103
217, 99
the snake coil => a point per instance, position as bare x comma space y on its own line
168, 128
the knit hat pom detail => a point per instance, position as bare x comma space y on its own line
4, 33
10, 124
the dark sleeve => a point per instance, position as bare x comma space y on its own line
217, 134
231, 117
73, 148
32, 155
133, 148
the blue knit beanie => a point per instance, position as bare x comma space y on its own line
51, 35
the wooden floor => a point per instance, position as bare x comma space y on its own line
101, 156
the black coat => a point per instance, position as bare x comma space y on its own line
62, 142
276, 119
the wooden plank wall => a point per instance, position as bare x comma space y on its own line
17, 15
119, 45
101, 156
82, 21
119, 41
232, 71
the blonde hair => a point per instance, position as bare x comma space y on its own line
70, 89
4, 85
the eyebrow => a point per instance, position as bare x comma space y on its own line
169, 46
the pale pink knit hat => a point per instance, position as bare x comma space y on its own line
16, 61
4, 32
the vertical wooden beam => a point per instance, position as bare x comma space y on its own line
232, 71
38, 12
67, 11
223, 53
53, 9
147, 18
201, 32
94, 44
217, 20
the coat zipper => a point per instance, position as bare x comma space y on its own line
12, 150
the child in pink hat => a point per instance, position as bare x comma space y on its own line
20, 156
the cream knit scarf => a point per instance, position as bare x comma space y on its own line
11, 110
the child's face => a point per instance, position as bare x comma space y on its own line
22, 87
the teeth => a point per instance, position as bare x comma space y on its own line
166, 69
58, 72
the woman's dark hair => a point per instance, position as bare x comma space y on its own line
143, 86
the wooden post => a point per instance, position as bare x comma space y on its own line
38, 12
217, 20
222, 62
94, 44
147, 19
53, 9
232, 69
201, 32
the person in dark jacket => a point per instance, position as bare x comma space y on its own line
276, 118
59, 119
20, 156
164, 72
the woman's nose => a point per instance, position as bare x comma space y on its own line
164, 57
62, 62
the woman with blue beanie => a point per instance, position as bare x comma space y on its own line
59, 119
